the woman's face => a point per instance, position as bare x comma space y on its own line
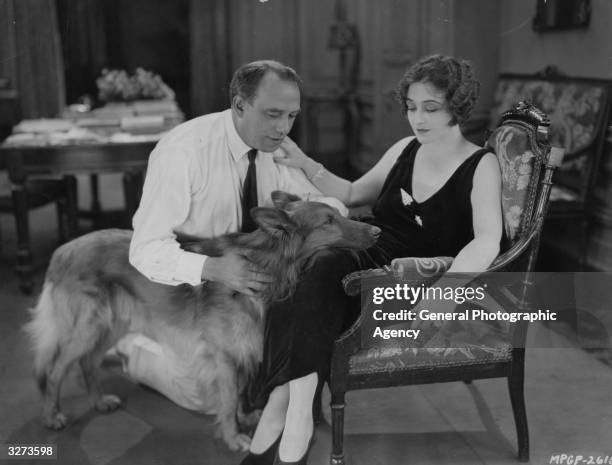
427, 112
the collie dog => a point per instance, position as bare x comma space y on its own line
92, 297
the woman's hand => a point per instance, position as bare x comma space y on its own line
292, 155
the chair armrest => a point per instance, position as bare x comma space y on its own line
352, 281
424, 268
428, 270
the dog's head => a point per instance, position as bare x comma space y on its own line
320, 225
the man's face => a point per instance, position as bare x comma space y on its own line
264, 122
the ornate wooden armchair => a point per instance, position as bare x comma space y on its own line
521, 144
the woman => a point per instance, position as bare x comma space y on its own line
432, 194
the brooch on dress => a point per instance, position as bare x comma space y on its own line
406, 198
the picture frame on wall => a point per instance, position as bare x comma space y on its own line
561, 14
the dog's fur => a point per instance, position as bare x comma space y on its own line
92, 297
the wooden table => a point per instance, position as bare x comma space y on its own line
22, 161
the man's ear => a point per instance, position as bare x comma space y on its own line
238, 104
272, 220
281, 199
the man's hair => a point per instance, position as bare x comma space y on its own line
451, 76
246, 79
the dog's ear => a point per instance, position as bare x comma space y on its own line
281, 199
272, 220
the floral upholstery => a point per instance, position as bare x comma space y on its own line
393, 357
574, 109
577, 109
517, 161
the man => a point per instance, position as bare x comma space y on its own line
194, 186
196, 173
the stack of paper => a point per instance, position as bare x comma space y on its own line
43, 125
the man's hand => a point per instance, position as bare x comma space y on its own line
236, 272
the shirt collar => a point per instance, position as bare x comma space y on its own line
238, 148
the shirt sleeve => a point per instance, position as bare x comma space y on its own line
165, 205
296, 182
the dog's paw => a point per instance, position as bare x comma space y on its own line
56, 421
107, 403
249, 420
238, 442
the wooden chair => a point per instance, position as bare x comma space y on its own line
521, 144
38, 192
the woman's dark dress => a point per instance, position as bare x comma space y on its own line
300, 332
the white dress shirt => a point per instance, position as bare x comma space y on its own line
193, 186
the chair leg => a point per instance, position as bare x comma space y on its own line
317, 405
337, 408
71, 207
132, 188
24, 252
517, 398
60, 207
96, 207
583, 245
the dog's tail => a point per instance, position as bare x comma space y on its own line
45, 334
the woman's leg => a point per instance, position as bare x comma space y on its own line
272, 420
299, 423
298, 343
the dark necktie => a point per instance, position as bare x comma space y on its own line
249, 194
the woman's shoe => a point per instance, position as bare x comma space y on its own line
302, 461
266, 457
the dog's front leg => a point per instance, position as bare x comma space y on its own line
247, 420
228, 395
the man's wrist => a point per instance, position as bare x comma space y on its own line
188, 268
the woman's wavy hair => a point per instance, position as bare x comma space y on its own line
454, 77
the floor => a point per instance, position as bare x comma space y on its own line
568, 396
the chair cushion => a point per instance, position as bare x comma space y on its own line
389, 357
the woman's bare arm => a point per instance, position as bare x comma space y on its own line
363, 191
